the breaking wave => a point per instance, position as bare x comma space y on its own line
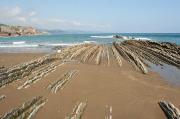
109, 36
22, 44
90, 42
18, 42
142, 38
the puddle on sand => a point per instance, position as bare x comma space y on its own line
168, 72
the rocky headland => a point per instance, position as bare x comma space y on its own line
9, 30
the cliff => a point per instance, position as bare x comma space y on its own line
8, 30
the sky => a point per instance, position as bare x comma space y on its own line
151, 16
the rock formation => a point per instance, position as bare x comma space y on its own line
121, 37
169, 110
28, 109
138, 53
7, 30
20, 71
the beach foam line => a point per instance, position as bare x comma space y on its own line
18, 42
14, 43
5, 43
60, 44
18, 46
142, 38
107, 36
23, 44
89, 42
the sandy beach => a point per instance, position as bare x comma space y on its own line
96, 59
11, 59
110, 91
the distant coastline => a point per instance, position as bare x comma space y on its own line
14, 31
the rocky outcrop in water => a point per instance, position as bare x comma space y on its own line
158, 52
121, 37
139, 53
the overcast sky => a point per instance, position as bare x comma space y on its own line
94, 15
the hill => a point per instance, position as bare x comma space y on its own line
9, 30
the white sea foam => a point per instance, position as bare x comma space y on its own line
24, 44
141, 38
90, 42
2, 43
109, 36
18, 46
18, 42
58, 44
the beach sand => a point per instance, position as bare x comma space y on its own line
11, 59
129, 93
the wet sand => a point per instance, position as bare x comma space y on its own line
131, 94
11, 59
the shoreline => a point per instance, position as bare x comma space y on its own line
157, 68
104, 85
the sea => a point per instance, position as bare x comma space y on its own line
46, 44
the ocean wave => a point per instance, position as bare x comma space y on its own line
90, 42
19, 46
24, 44
5, 43
109, 36
58, 44
13, 43
142, 38
18, 42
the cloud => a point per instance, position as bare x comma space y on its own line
13, 12
76, 23
14, 15
18, 16
63, 22
32, 13
55, 23
22, 19
10, 12
56, 20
